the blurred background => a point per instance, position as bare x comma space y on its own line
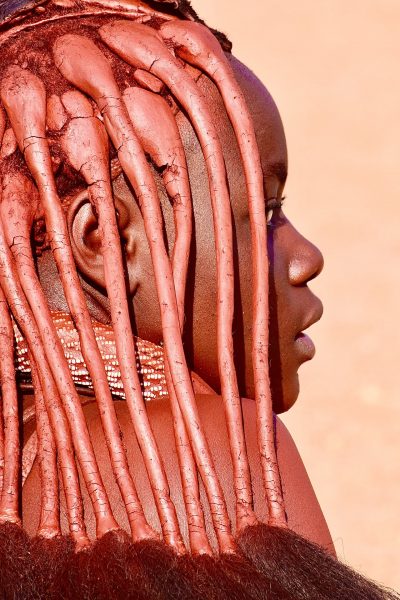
333, 69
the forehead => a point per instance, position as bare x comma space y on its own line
267, 122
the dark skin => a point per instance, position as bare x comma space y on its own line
304, 513
293, 263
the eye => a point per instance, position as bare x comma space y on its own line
272, 208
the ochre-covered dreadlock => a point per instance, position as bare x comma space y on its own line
84, 64
63, 99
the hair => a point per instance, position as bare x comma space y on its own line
117, 75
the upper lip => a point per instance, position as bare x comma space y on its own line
314, 315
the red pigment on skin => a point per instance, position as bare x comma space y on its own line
158, 133
85, 66
196, 44
91, 160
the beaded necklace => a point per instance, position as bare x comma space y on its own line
149, 362
149, 359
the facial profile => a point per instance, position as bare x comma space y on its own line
293, 260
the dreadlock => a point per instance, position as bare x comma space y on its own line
63, 100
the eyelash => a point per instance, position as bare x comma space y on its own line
272, 205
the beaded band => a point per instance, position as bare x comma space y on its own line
149, 359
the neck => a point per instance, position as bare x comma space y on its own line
97, 302
149, 360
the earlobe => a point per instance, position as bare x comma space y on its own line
86, 240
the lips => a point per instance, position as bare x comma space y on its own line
305, 345
303, 342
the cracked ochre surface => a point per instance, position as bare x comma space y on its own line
55, 130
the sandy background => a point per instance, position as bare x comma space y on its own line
333, 69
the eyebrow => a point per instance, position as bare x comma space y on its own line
276, 169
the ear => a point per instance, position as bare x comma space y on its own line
86, 242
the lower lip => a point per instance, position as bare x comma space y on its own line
305, 345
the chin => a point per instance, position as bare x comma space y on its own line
284, 389
285, 394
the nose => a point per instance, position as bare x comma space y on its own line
306, 262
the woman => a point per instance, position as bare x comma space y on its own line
105, 113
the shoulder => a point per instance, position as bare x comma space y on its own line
304, 513
302, 507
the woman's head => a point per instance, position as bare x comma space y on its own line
74, 105
294, 261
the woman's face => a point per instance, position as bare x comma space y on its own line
294, 261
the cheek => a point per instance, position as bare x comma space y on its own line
242, 326
146, 311
284, 380
279, 287
200, 325
242, 256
